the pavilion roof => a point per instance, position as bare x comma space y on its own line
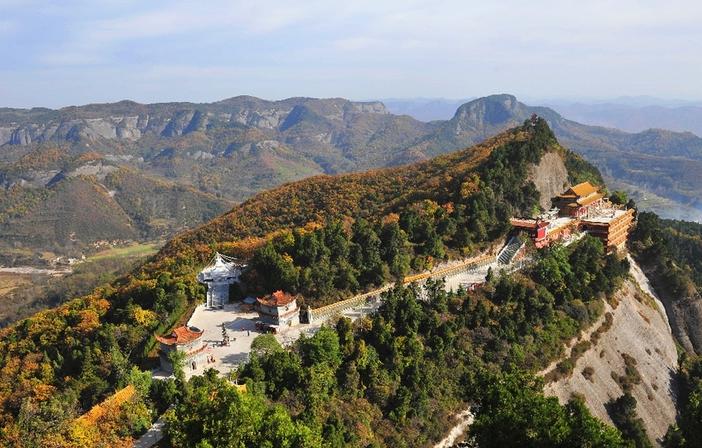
579, 191
180, 335
590, 199
221, 265
278, 298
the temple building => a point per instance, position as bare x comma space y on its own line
278, 309
581, 208
611, 227
219, 275
545, 229
577, 201
183, 339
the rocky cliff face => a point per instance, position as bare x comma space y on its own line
109, 122
550, 177
685, 314
639, 331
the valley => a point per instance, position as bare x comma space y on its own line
24, 290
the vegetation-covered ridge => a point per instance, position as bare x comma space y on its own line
61, 362
395, 379
447, 178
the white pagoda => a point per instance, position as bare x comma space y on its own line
222, 272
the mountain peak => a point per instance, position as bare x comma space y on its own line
489, 114
493, 109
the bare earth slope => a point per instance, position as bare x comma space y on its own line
639, 329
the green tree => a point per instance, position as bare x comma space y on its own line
217, 415
265, 344
277, 271
516, 401
395, 251
623, 414
619, 197
365, 253
322, 348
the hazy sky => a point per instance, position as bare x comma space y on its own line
57, 53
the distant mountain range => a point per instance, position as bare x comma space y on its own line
630, 114
128, 170
633, 118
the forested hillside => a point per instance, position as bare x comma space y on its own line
62, 361
384, 381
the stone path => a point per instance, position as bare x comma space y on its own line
152, 436
465, 419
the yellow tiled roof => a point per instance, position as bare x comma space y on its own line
590, 199
583, 189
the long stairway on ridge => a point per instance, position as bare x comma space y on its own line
507, 254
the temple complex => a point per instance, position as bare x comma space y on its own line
183, 339
278, 309
546, 228
219, 275
581, 208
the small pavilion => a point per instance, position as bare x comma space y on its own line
183, 339
278, 309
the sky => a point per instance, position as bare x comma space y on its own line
69, 52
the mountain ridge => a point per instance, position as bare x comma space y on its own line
233, 148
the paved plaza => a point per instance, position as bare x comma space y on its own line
241, 328
466, 278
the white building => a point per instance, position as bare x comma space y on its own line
222, 272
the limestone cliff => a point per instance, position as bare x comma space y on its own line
550, 177
640, 331
127, 120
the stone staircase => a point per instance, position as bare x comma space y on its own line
507, 254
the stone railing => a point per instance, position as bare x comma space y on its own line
325, 312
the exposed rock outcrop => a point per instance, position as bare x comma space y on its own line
685, 315
639, 330
550, 177
104, 121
